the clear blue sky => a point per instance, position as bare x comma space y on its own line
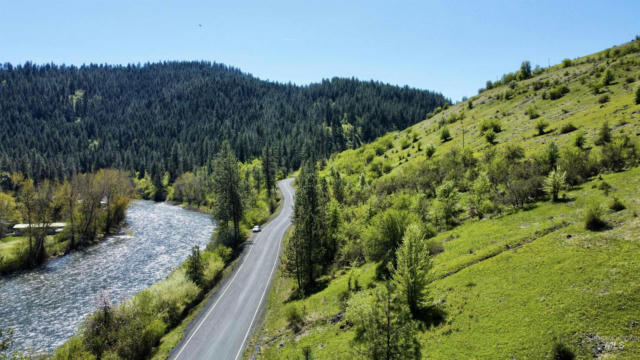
448, 46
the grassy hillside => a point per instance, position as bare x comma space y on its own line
513, 273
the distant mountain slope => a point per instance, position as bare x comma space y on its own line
513, 272
55, 120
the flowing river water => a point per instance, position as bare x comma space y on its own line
45, 306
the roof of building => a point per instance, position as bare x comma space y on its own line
52, 225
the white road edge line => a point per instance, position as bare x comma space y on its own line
261, 299
195, 331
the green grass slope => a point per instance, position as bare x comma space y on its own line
513, 284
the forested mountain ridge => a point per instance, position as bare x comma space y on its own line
173, 116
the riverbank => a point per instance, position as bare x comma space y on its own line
45, 306
152, 321
172, 338
13, 249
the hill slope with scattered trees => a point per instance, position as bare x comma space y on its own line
503, 227
60, 120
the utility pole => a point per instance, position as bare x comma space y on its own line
462, 121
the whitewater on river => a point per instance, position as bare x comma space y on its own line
45, 306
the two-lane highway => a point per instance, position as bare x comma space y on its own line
222, 328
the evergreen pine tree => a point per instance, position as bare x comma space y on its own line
226, 188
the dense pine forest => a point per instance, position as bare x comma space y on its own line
173, 116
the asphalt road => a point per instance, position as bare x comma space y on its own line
223, 326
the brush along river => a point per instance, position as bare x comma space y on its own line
44, 306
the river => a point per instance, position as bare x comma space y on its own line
44, 306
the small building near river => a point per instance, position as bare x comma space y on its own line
53, 228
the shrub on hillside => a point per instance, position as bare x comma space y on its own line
593, 218
566, 63
490, 124
453, 117
369, 155
430, 150
435, 247
445, 135
490, 136
595, 87
376, 167
638, 96
295, 317
532, 112
607, 77
513, 152
383, 236
567, 128
386, 142
575, 163
603, 99
605, 187
562, 352
618, 154
446, 207
550, 157
479, 198
604, 134
404, 143
541, 125
508, 94
537, 85
579, 140
612, 156
616, 204
558, 92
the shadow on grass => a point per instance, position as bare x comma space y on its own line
302, 294
431, 316
598, 226
565, 199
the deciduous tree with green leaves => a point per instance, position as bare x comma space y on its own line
446, 204
554, 182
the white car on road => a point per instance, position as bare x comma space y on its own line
257, 228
